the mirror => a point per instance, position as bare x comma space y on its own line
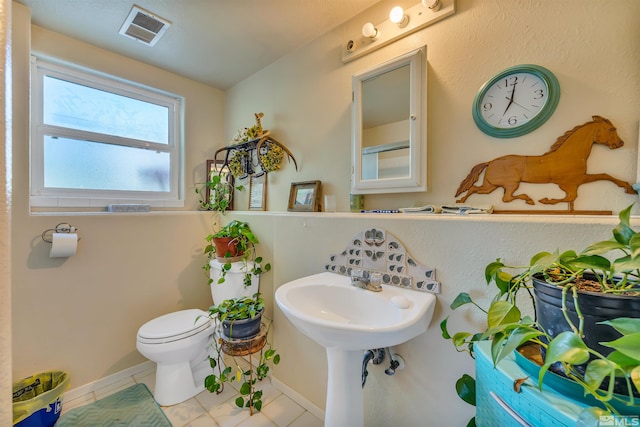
389, 127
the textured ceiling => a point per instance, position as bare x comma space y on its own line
218, 42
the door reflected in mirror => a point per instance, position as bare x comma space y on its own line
389, 135
386, 125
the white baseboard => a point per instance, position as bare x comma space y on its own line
298, 398
106, 381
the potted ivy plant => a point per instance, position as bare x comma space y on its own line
236, 340
240, 317
572, 295
216, 194
235, 242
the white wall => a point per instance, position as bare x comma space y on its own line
594, 50
5, 203
81, 314
592, 47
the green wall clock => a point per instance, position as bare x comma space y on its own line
516, 101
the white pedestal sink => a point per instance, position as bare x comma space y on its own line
347, 320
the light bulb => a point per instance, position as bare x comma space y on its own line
369, 31
434, 5
397, 16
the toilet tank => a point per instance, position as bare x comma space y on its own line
233, 285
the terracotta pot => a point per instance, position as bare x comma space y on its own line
226, 248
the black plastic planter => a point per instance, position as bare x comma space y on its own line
595, 307
243, 329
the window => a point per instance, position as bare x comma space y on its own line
97, 140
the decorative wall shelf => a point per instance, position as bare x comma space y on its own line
253, 156
380, 251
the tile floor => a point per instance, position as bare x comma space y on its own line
211, 410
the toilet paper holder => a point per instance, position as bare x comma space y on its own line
63, 227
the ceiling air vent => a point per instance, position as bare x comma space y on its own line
144, 26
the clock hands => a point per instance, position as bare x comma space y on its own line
521, 106
513, 91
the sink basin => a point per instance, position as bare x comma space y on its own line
348, 320
328, 309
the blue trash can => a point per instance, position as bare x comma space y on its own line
37, 400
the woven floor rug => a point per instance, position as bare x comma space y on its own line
133, 406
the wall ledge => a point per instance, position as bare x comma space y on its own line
480, 218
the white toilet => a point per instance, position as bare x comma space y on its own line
234, 278
181, 342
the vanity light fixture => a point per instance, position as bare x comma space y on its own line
434, 5
370, 31
398, 17
400, 24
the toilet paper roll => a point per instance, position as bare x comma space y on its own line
63, 245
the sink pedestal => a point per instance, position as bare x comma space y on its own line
344, 388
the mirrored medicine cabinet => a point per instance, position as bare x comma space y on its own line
388, 147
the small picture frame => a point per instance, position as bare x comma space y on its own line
258, 193
213, 168
304, 197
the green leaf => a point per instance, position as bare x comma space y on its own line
239, 402
590, 262
625, 264
466, 389
542, 260
634, 245
460, 337
245, 389
515, 339
566, 347
603, 247
503, 281
622, 361
443, 328
502, 312
624, 325
258, 405
492, 269
462, 299
276, 359
623, 232
597, 371
635, 377
629, 345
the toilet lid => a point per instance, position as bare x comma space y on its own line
177, 325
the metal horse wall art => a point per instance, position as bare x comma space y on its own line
565, 164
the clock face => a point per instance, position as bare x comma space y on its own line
516, 101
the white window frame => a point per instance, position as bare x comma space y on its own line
41, 197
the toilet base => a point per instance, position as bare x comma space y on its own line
178, 382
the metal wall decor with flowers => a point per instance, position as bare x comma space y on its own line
254, 151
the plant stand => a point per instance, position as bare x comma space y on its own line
245, 347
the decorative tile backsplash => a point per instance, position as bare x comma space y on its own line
378, 250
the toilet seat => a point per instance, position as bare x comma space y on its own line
174, 326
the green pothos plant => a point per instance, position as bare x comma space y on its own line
250, 397
508, 327
245, 240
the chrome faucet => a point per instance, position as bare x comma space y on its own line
369, 281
